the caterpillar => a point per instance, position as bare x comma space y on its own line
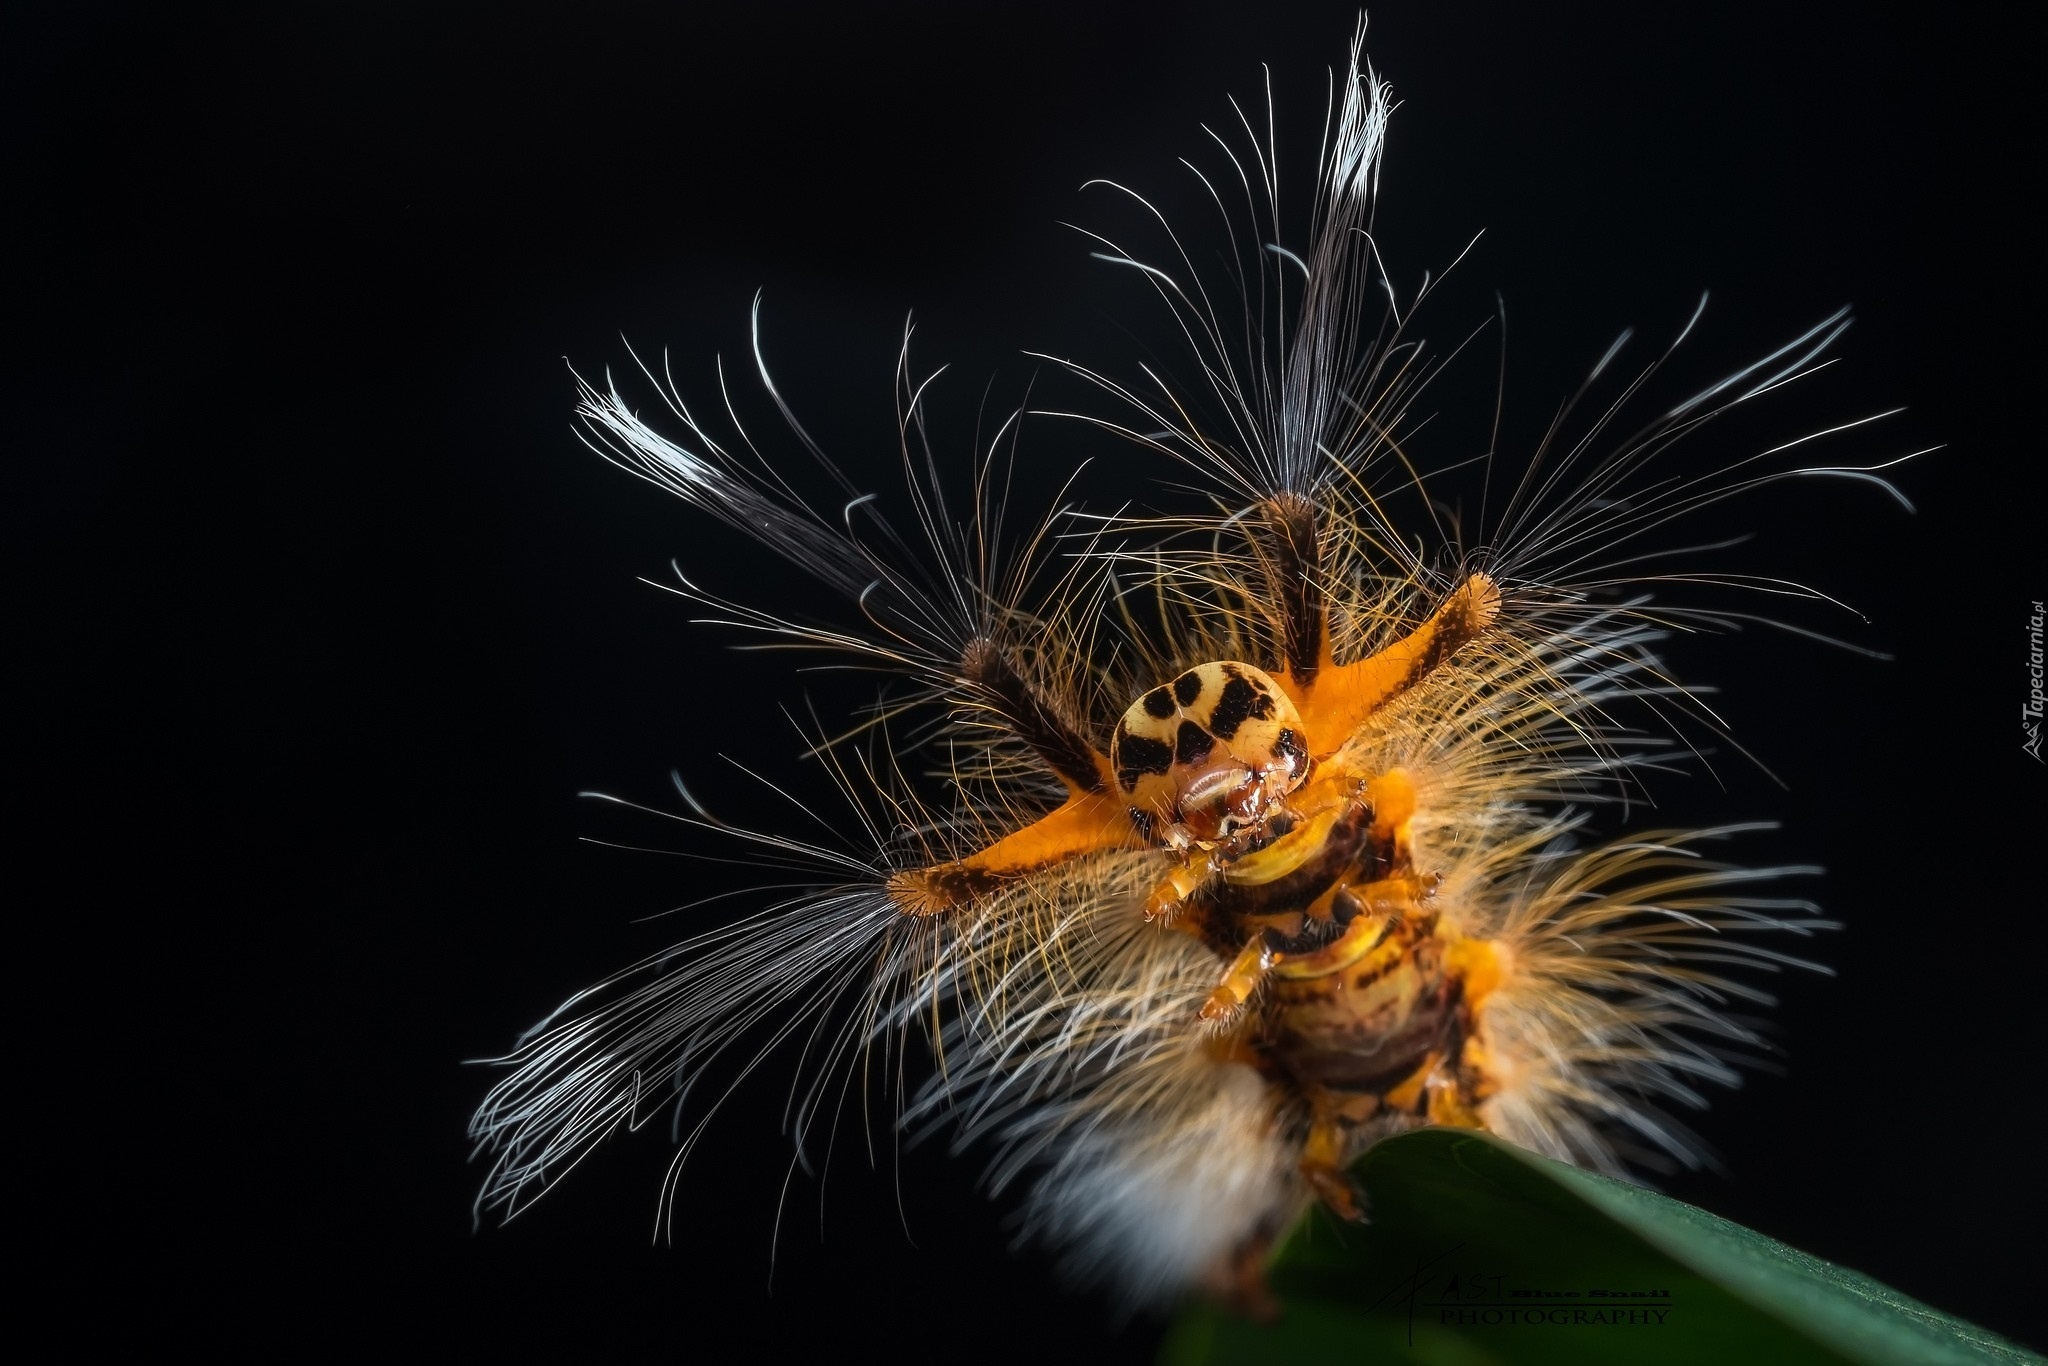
1203, 840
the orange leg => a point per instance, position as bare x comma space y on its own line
1240, 979
1322, 1161
1182, 881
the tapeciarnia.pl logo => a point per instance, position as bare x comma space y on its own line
2030, 715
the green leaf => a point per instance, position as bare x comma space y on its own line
1478, 1252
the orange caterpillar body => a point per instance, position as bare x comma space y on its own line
1265, 826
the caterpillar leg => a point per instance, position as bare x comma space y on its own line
1324, 1153
1172, 892
1240, 980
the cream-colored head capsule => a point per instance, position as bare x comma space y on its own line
1208, 754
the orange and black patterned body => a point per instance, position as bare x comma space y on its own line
1295, 866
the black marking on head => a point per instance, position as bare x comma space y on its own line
1241, 700
1141, 821
1158, 704
1187, 688
1136, 755
1288, 746
1192, 744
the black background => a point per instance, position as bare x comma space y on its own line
306, 530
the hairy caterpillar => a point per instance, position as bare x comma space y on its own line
1125, 961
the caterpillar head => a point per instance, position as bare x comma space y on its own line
1209, 755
